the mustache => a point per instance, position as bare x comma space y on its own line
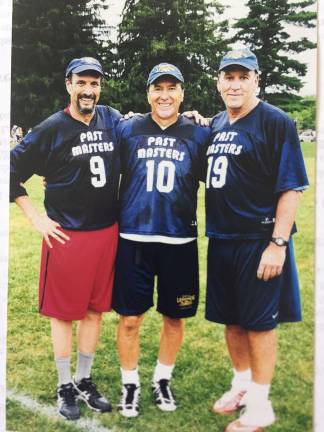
84, 96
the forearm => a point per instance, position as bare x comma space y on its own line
28, 208
273, 257
286, 213
41, 222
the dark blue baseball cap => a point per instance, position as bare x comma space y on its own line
82, 64
241, 57
164, 69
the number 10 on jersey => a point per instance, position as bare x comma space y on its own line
165, 172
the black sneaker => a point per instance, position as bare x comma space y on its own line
163, 396
67, 403
129, 401
87, 391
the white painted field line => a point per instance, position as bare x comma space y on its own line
84, 424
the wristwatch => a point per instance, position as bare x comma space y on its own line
279, 241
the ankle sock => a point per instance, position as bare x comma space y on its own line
162, 371
130, 376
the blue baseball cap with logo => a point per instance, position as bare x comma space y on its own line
241, 57
164, 69
82, 64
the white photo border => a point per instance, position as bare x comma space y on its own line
5, 43
5, 77
319, 245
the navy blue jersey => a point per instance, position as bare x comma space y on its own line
160, 176
81, 166
249, 163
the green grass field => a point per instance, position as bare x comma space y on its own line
203, 369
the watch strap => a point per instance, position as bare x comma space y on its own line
279, 241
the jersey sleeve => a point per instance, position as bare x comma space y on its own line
115, 116
25, 160
121, 133
202, 159
291, 172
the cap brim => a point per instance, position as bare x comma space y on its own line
84, 68
237, 63
161, 74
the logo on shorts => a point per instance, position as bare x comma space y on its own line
274, 316
186, 300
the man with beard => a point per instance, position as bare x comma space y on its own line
75, 150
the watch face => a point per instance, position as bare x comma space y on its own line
279, 241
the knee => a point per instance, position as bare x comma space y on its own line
173, 325
235, 330
94, 317
130, 324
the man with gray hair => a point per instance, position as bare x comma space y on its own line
255, 172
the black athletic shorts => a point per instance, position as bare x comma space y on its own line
176, 268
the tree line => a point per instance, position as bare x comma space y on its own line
193, 34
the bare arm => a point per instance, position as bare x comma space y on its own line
273, 257
42, 223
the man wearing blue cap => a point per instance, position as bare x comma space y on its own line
76, 151
162, 160
255, 172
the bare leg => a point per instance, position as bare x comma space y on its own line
61, 337
128, 341
238, 347
88, 332
263, 354
171, 339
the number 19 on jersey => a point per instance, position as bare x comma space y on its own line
216, 172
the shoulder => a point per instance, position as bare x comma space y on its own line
273, 114
187, 122
47, 127
218, 120
52, 122
108, 114
114, 113
136, 123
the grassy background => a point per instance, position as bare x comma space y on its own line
203, 369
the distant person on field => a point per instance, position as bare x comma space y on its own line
16, 134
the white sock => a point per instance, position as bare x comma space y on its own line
162, 371
258, 392
130, 376
241, 380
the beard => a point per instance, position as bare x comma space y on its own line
87, 109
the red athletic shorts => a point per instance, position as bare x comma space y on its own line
78, 276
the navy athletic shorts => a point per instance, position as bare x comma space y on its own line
176, 268
235, 296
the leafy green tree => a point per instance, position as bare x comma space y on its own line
265, 32
187, 33
304, 113
46, 36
